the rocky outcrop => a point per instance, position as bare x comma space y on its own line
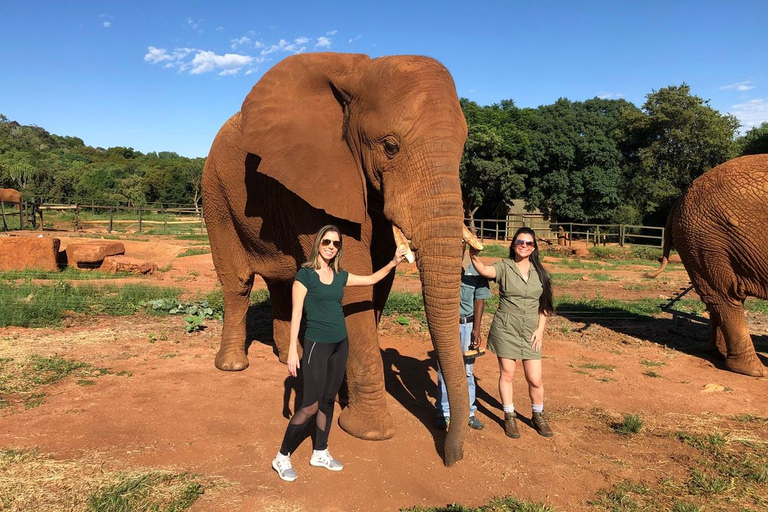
26, 253
115, 264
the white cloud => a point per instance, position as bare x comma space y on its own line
738, 86
240, 41
301, 40
331, 33
323, 42
610, 96
356, 38
285, 46
219, 29
258, 44
229, 63
155, 55
107, 24
751, 113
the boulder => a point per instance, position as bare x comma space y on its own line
581, 252
675, 258
114, 264
91, 254
24, 253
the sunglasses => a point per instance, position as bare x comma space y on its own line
336, 243
525, 243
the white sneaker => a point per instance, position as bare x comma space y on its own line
324, 459
284, 468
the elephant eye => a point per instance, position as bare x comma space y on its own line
391, 147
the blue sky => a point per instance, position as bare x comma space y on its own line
164, 76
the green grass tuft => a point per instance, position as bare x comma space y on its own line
194, 251
632, 424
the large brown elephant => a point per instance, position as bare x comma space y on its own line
10, 195
720, 229
364, 144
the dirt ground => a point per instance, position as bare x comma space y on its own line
176, 411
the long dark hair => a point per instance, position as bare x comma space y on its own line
545, 301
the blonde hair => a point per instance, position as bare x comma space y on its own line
335, 263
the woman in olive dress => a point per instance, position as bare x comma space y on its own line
517, 331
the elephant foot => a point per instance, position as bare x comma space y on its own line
376, 425
454, 444
231, 360
746, 365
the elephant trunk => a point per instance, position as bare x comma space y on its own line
438, 257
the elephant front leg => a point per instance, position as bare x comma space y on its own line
231, 355
366, 416
740, 356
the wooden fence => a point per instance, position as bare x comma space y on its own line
596, 234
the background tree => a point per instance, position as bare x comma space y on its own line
755, 141
674, 139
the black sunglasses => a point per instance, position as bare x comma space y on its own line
526, 243
336, 243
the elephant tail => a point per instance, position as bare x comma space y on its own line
667, 241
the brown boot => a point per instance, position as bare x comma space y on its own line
510, 425
540, 423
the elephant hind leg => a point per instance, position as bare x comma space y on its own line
231, 355
740, 354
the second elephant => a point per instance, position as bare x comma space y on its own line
719, 227
364, 144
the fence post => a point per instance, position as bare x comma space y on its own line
621, 235
139, 218
165, 220
42, 222
2, 210
22, 211
111, 218
662, 237
482, 228
77, 218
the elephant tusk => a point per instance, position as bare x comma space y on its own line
400, 239
471, 239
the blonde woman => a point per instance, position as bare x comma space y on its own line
317, 292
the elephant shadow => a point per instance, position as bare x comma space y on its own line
688, 337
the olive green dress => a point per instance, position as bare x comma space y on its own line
518, 313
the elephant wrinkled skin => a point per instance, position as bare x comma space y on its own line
719, 227
364, 144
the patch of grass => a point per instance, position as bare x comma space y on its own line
599, 276
651, 373
711, 443
708, 485
166, 268
562, 277
503, 504
598, 366
495, 251
194, 251
682, 506
197, 237
646, 362
632, 424
31, 481
41, 305
756, 305
20, 382
404, 303
66, 274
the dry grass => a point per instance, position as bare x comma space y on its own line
32, 481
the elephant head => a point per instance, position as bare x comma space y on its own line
347, 133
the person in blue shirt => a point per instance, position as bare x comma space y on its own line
474, 291
317, 293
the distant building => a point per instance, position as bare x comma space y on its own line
517, 216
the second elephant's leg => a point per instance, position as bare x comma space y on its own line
231, 355
367, 415
740, 356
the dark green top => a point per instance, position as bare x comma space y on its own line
322, 306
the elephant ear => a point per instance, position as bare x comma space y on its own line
294, 119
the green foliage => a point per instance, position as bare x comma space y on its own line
30, 304
404, 303
755, 141
57, 168
631, 425
195, 313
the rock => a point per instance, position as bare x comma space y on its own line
674, 258
713, 388
581, 252
114, 264
21, 253
90, 254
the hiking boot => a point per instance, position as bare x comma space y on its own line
475, 424
284, 468
324, 459
510, 425
443, 422
540, 423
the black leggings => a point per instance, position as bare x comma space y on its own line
323, 366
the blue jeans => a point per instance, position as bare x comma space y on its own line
441, 403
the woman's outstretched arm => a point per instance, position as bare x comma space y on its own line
484, 270
380, 274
